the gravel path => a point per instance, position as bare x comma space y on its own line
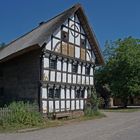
116, 126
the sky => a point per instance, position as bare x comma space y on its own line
110, 19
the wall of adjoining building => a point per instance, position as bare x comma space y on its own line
21, 78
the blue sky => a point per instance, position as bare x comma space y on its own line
110, 19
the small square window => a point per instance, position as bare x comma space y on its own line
53, 63
57, 93
78, 93
64, 36
51, 93
74, 68
87, 72
82, 93
83, 43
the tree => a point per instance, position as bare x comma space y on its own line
122, 69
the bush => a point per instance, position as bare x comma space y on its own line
22, 114
89, 112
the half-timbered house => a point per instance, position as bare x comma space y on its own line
53, 64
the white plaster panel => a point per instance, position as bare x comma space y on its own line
76, 19
64, 77
72, 105
57, 106
62, 93
48, 45
44, 106
58, 76
59, 65
77, 104
64, 66
68, 105
83, 70
56, 42
91, 81
65, 29
79, 69
87, 80
46, 75
71, 37
46, 62
72, 93
91, 71
82, 31
86, 93
71, 24
52, 76
81, 104
50, 106
69, 78
57, 33
68, 93
74, 78
66, 23
62, 105
77, 52
79, 79
88, 56
88, 45
44, 93
69, 67
83, 79
77, 40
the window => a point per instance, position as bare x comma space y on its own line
78, 93
53, 63
57, 93
74, 68
64, 36
83, 43
82, 93
51, 93
87, 72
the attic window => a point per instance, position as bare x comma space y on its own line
64, 36
83, 43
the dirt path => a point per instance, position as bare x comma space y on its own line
116, 126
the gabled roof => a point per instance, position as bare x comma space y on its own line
38, 36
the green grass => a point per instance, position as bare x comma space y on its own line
50, 123
124, 110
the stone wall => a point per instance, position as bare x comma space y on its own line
20, 78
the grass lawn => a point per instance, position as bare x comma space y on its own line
49, 123
123, 110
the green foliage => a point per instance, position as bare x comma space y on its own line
94, 100
22, 114
92, 108
122, 70
89, 112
